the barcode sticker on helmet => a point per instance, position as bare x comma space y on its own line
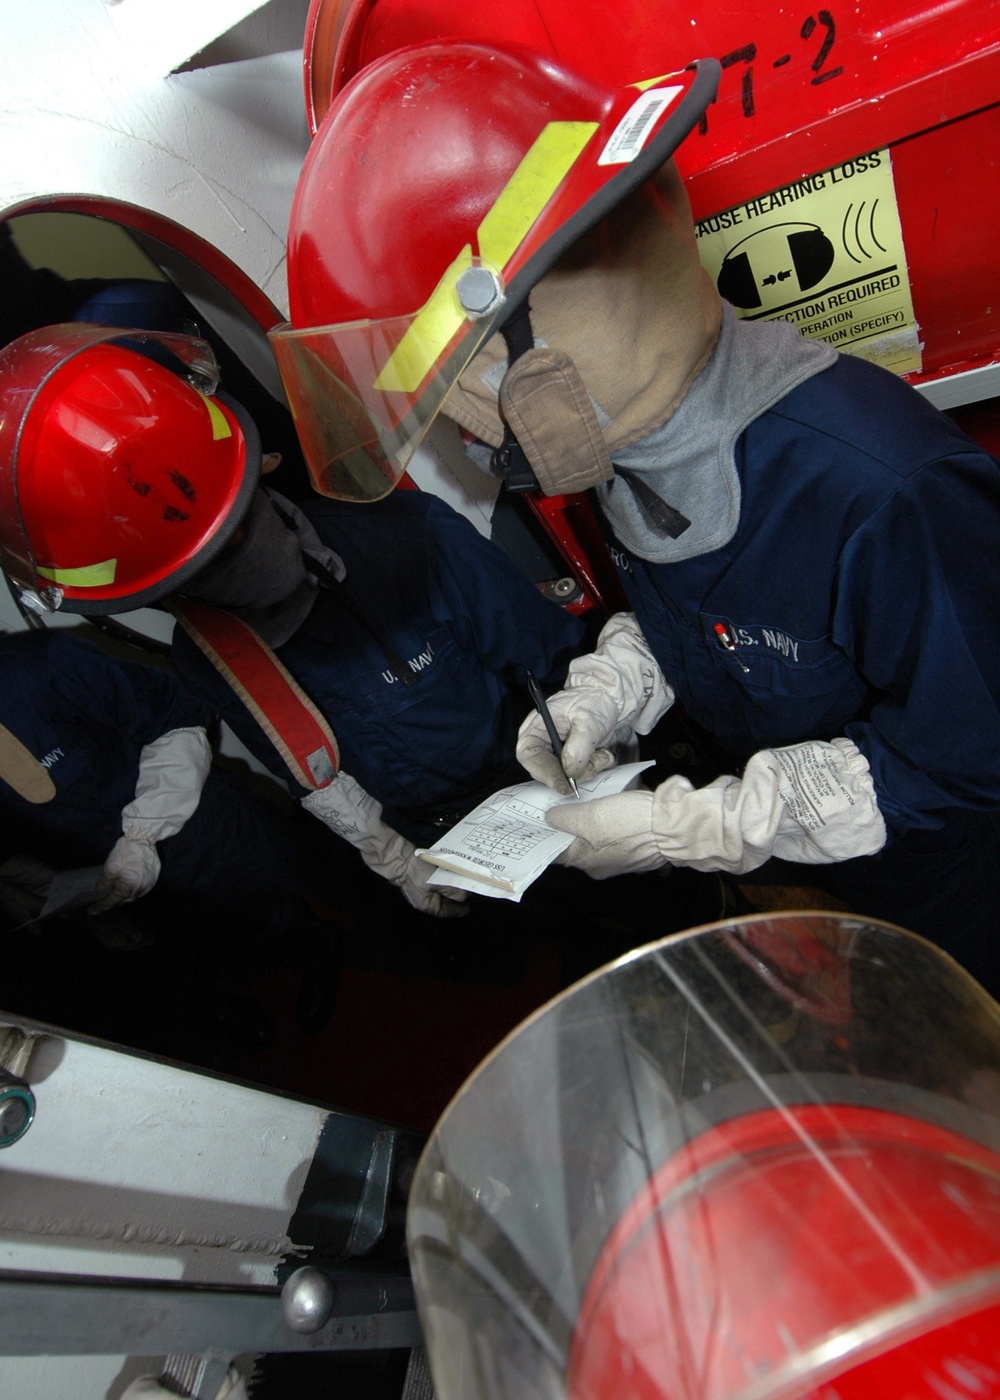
636, 126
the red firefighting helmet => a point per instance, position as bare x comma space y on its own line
444, 182
123, 470
344, 36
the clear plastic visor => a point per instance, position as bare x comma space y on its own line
723, 1164
363, 394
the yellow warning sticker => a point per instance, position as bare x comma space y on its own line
825, 253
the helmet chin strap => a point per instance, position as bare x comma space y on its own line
510, 460
660, 515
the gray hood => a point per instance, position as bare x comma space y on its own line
689, 461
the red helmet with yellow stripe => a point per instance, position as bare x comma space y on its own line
123, 470
444, 182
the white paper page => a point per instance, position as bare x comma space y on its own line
507, 840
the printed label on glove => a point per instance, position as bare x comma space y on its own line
817, 792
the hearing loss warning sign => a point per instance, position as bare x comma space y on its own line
825, 253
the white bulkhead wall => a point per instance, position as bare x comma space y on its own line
134, 1168
93, 107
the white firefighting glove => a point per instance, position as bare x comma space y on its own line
813, 803
172, 773
345, 807
616, 689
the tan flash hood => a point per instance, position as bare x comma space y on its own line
628, 315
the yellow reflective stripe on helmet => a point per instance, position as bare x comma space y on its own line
220, 423
534, 182
89, 576
428, 333
529, 189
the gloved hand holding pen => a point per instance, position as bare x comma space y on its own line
812, 802
555, 738
614, 690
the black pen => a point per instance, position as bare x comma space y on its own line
538, 700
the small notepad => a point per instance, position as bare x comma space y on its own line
503, 846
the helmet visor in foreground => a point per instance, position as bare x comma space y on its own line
740, 1164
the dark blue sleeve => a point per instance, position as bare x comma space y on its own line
138, 702
495, 609
918, 611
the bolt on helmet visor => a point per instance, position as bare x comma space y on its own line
364, 391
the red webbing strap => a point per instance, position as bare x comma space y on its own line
277, 702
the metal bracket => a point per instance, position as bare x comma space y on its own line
66, 1315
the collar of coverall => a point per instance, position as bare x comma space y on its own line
635, 313
690, 460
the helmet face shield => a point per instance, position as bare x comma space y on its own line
661, 1184
364, 394
438, 162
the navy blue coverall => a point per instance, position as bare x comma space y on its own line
417, 659
86, 716
861, 591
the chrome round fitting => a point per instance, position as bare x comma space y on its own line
307, 1299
